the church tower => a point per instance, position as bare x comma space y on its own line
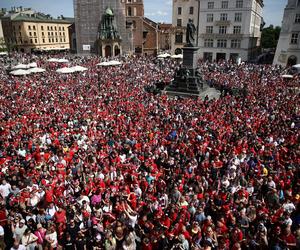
88, 16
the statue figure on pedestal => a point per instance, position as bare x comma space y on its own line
190, 34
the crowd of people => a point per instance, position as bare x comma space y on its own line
93, 161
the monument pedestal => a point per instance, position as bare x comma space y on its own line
187, 80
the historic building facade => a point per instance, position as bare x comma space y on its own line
230, 29
183, 10
227, 29
25, 30
288, 47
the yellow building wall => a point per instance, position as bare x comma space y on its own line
40, 35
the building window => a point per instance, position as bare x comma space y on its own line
294, 39
297, 18
221, 43
63, 28
56, 40
210, 5
208, 43
43, 40
58, 28
235, 44
53, 40
191, 10
129, 11
223, 16
239, 4
33, 27
179, 10
30, 34
35, 40
29, 27
238, 17
210, 18
31, 41
34, 33
237, 29
49, 40
222, 29
179, 38
209, 29
64, 39
179, 22
43, 34
48, 28
55, 27
42, 27
224, 5
133, 25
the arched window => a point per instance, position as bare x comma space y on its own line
129, 11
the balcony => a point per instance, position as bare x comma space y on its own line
222, 23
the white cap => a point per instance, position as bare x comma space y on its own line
1, 231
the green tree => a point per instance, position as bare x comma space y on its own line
270, 36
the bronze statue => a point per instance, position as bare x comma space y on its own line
190, 33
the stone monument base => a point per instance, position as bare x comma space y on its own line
187, 80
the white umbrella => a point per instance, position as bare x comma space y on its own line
65, 70
3, 53
20, 66
164, 55
114, 63
180, 56
296, 66
102, 64
36, 70
287, 76
32, 65
79, 68
62, 60
52, 60
20, 72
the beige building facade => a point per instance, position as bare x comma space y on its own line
28, 32
288, 47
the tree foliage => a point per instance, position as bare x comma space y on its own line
270, 36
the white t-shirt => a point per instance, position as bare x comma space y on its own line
53, 237
21, 247
5, 190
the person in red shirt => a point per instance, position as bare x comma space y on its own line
60, 216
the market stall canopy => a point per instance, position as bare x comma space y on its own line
65, 70
20, 66
20, 72
59, 60
79, 68
110, 63
287, 76
52, 60
36, 70
32, 65
3, 53
63, 60
165, 55
180, 56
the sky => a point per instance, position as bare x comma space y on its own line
157, 10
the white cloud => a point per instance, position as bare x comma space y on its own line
157, 13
